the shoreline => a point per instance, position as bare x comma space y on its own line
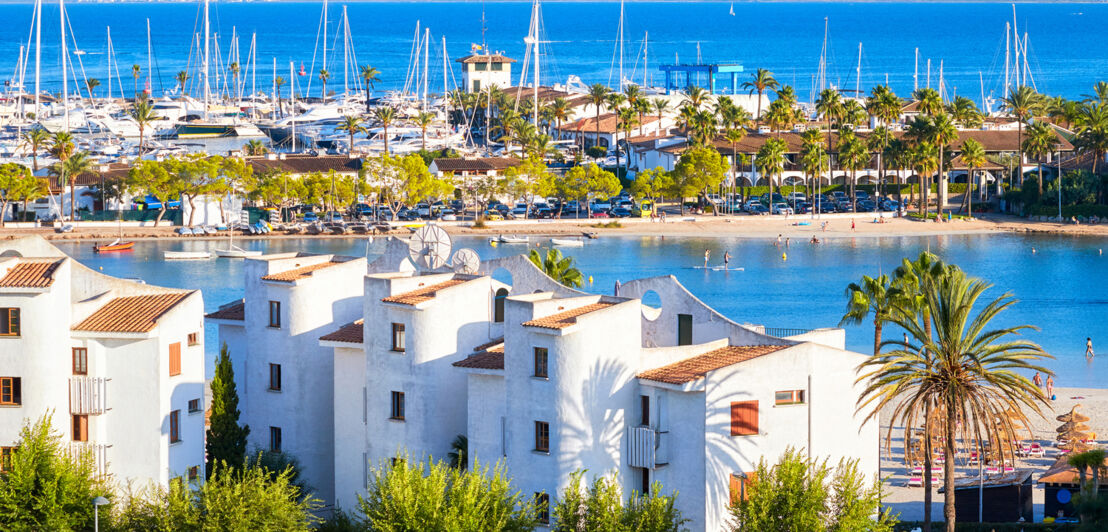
704, 226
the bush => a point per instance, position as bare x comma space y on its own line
932, 216
479, 223
906, 526
597, 152
1100, 211
614, 224
600, 507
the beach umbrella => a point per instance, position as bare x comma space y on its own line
1073, 426
1076, 446
1071, 435
1073, 415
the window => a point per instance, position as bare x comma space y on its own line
476, 85
6, 458
644, 485
275, 439
542, 507
194, 406
9, 322
684, 329
789, 397
396, 410
80, 427
80, 361
398, 337
480, 67
744, 418
275, 314
740, 484
275, 377
194, 472
498, 305
644, 409
497, 67
542, 436
11, 391
541, 356
194, 338
175, 426
174, 359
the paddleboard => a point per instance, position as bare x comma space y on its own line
721, 268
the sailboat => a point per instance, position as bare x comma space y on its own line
233, 251
118, 244
732, 9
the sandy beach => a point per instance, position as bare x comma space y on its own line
908, 501
801, 228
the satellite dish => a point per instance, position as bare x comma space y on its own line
429, 247
465, 260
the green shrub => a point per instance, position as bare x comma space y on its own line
1100, 211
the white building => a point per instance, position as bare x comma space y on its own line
118, 365
481, 71
282, 375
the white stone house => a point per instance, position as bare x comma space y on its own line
118, 365
282, 375
481, 71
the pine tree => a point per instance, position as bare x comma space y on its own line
226, 441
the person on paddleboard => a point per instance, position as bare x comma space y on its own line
707, 255
726, 259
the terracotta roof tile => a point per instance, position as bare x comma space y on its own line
351, 333
491, 343
235, 310
426, 293
483, 164
485, 58
562, 320
134, 314
697, 367
299, 165
486, 360
290, 276
31, 274
609, 124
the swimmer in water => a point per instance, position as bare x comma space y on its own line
1089, 348
707, 255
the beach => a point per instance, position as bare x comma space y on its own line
800, 228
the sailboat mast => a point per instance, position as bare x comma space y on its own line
345, 51
65, 74
109, 64
858, 70
149, 55
324, 38
426, 62
38, 55
620, 83
292, 102
645, 57
929, 72
915, 73
253, 71
981, 79
535, 36
1016, 39
942, 83
823, 59
445, 89
207, 35
1025, 68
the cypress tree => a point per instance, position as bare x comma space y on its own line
226, 439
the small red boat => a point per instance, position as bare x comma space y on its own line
114, 246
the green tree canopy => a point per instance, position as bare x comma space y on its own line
226, 439
698, 169
600, 507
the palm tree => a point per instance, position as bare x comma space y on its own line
703, 127
1023, 102
1039, 143
854, 114
771, 160
255, 147
69, 169
973, 155
734, 136
964, 112
37, 139
763, 79
853, 155
877, 142
277, 82
91, 83
598, 96
182, 78
370, 75
813, 155
660, 107
385, 115
142, 113
924, 158
1100, 93
870, 296
1092, 131
942, 133
830, 106
235, 69
424, 120
896, 156
627, 120
559, 268
324, 75
970, 373
353, 125
930, 104
695, 97
559, 112
136, 71
459, 452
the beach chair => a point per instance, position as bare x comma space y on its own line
917, 471
915, 482
1036, 450
1009, 469
972, 458
1024, 449
992, 470
937, 472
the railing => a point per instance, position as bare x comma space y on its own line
96, 452
88, 395
782, 332
647, 448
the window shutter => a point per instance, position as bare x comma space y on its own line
174, 359
744, 418
17, 390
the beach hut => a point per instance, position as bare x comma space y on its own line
1003, 498
1060, 483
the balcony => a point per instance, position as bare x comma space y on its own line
88, 395
647, 448
96, 452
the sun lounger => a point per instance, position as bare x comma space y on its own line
915, 482
1036, 450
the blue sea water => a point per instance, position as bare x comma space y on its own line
1060, 287
1066, 57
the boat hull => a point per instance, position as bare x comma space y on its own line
122, 246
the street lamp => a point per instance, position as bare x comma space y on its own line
96, 504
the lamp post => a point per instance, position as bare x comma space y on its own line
96, 504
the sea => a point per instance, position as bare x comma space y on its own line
1057, 280
906, 45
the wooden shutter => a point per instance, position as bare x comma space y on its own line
80, 427
684, 329
744, 418
740, 486
174, 359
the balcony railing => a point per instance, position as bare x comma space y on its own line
97, 452
785, 332
647, 448
88, 395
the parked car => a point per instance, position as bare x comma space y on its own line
777, 198
571, 207
493, 215
407, 215
543, 212
447, 215
861, 195
889, 205
796, 197
621, 212
332, 217
752, 206
601, 206
782, 208
599, 214
519, 211
866, 205
804, 208
310, 217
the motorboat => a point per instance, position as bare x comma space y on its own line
512, 239
235, 252
187, 255
567, 242
116, 245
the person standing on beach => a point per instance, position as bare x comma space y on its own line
852, 225
1050, 387
707, 255
1038, 380
1089, 347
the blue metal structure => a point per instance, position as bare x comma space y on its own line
675, 74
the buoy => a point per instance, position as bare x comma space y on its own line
784, 256
101, 268
590, 279
1033, 250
